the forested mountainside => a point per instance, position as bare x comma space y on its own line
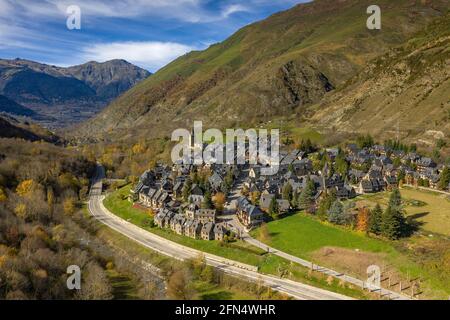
268, 69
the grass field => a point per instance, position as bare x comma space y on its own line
239, 251
430, 209
301, 235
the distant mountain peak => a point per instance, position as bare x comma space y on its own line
70, 94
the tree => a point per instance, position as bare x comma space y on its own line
3, 197
229, 179
245, 191
365, 141
207, 201
186, 192
341, 165
420, 182
50, 200
397, 162
307, 146
325, 205
287, 192
95, 284
178, 286
21, 210
25, 187
393, 221
138, 148
219, 201
69, 206
306, 197
401, 176
274, 209
254, 197
440, 143
375, 220
362, 220
444, 179
395, 200
336, 213
207, 274
390, 227
264, 234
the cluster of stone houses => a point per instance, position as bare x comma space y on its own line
296, 169
161, 190
383, 174
371, 170
194, 223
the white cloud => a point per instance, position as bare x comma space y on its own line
193, 11
228, 11
151, 55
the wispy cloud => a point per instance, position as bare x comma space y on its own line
151, 55
234, 8
149, 33
194, 11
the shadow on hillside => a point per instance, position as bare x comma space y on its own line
412, 224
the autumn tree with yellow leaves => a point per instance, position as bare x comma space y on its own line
362, 220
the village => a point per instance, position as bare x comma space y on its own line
198, 201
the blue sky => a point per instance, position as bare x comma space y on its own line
149, 33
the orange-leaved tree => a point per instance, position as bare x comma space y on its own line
362, 221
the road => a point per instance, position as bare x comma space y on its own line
233, 222
294, 289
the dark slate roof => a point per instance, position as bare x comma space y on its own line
356, 173
391, 179
367, 185
151, 193
178, 186
157, 195
196, 190
215, 180
425, 162
253, 211
138, 187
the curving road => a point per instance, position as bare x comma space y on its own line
294, 289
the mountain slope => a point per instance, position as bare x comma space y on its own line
108, 79
270, 68
11, 107
12, 128
404, 93
67, 94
